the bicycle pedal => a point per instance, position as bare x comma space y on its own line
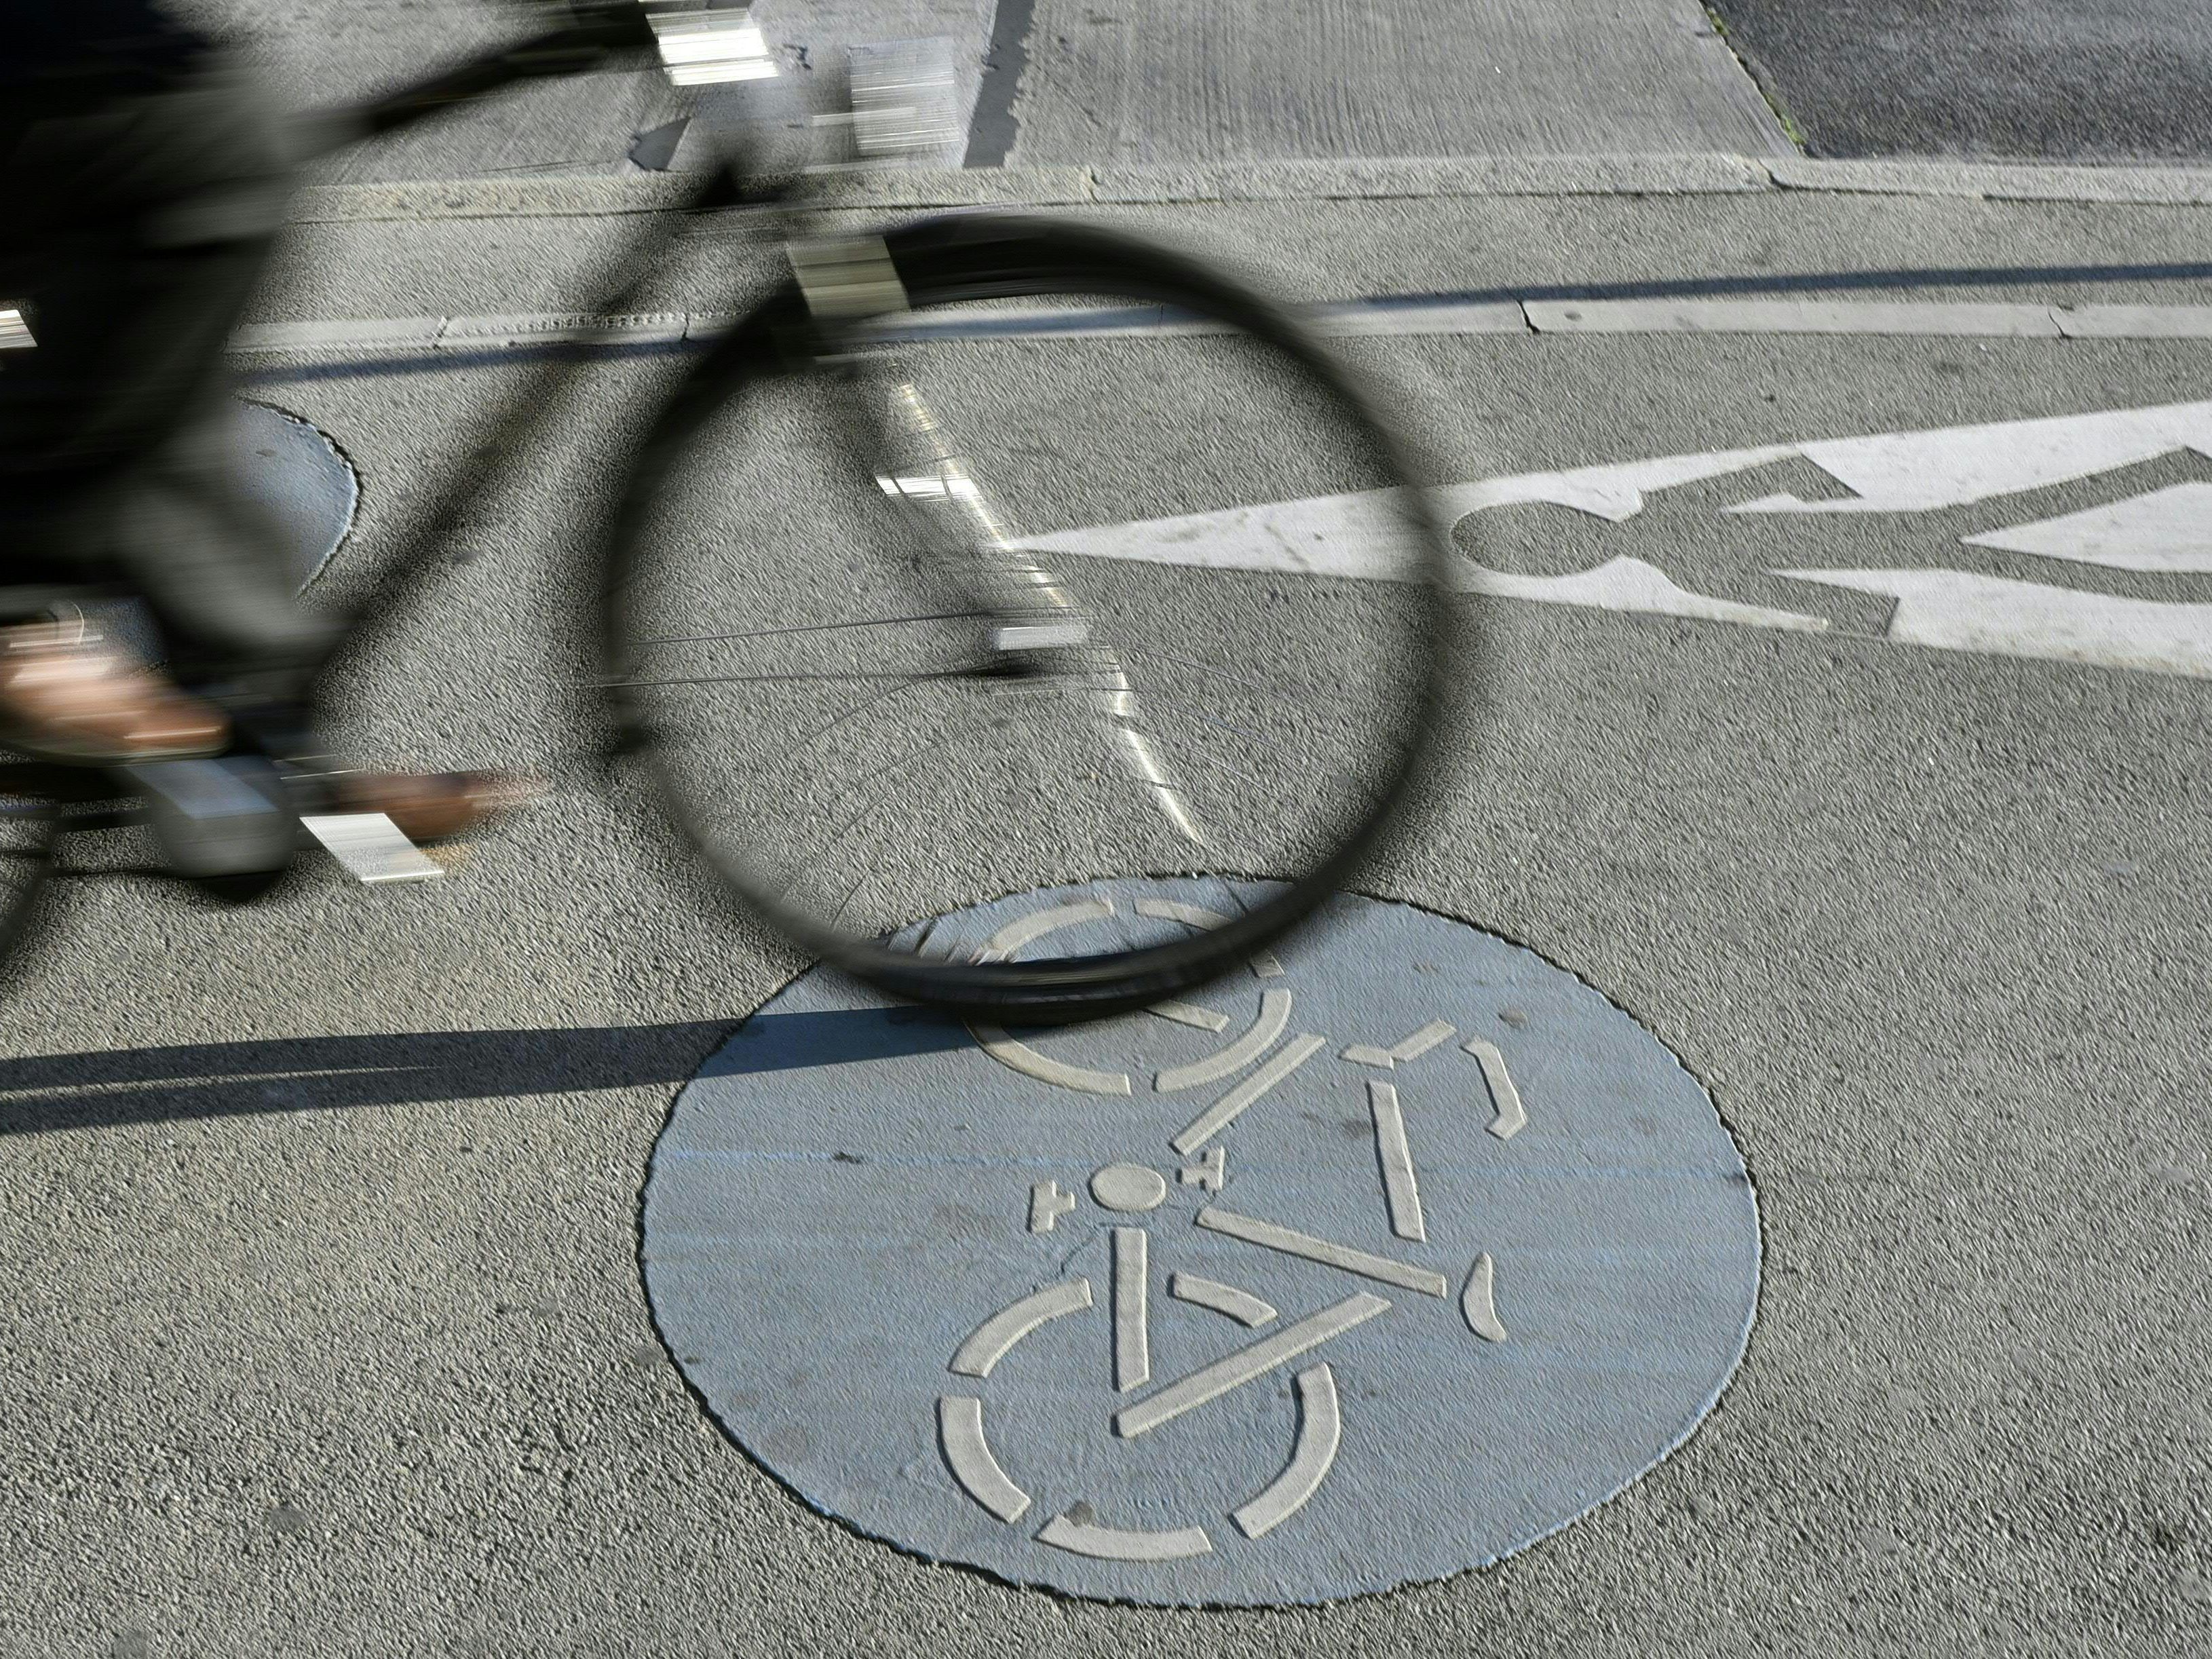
370, 847
216, 818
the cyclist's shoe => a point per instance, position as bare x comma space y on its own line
66, 694
433, 807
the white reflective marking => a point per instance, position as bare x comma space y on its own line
1128, 1187
1218, 1116
1960, 611
1257, 1359
1957, 466
988, 1343
1189, 1013
2168, 529
1322, 536
1121, 1544
1506, 1115
1061, 322
1132, 1352
14, 332
370, 847
1478, 1302
1320, 1430
968, 1454
1275, 1015
1191, 915
1905, 472
1242, 1306
1210, 1172
2134, 322
1337, 535
1047, 1205
1011, 1052
1632, 584
1399, 1191
1035, 926
1420, 1044
1366, 1053
1290, 1241
1955, 318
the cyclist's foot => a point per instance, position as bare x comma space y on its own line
430, 806
66, 694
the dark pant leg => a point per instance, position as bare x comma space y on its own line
136, 229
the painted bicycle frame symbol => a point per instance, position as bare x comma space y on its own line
1132, 1190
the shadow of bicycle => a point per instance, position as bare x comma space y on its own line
48, 1093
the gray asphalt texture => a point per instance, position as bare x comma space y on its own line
324, 1330
2057, 80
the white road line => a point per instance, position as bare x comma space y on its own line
1788, 317
411, 336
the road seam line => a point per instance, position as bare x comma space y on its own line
437, 335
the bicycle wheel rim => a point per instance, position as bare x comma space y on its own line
948, 263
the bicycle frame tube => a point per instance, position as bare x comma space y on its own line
603, 36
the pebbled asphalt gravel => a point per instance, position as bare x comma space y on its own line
2118, 80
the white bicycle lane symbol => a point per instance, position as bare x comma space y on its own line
1132, 1190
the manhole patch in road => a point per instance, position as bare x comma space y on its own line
304, 488
1377, 1262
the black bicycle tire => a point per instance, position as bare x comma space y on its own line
960, 258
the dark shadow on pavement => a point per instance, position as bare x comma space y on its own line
46, 1093
788, 1043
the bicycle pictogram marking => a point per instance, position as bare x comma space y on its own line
1131, 1189
1459, 1252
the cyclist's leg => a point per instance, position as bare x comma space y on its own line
147, 222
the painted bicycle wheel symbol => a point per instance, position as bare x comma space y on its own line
1127, 1191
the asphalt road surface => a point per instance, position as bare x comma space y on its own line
326, 1332
1843, 723
2053, 79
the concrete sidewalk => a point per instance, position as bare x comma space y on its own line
1041, 82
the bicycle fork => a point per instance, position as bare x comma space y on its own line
1034, 628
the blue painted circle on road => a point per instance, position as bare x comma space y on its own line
1451, 1250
